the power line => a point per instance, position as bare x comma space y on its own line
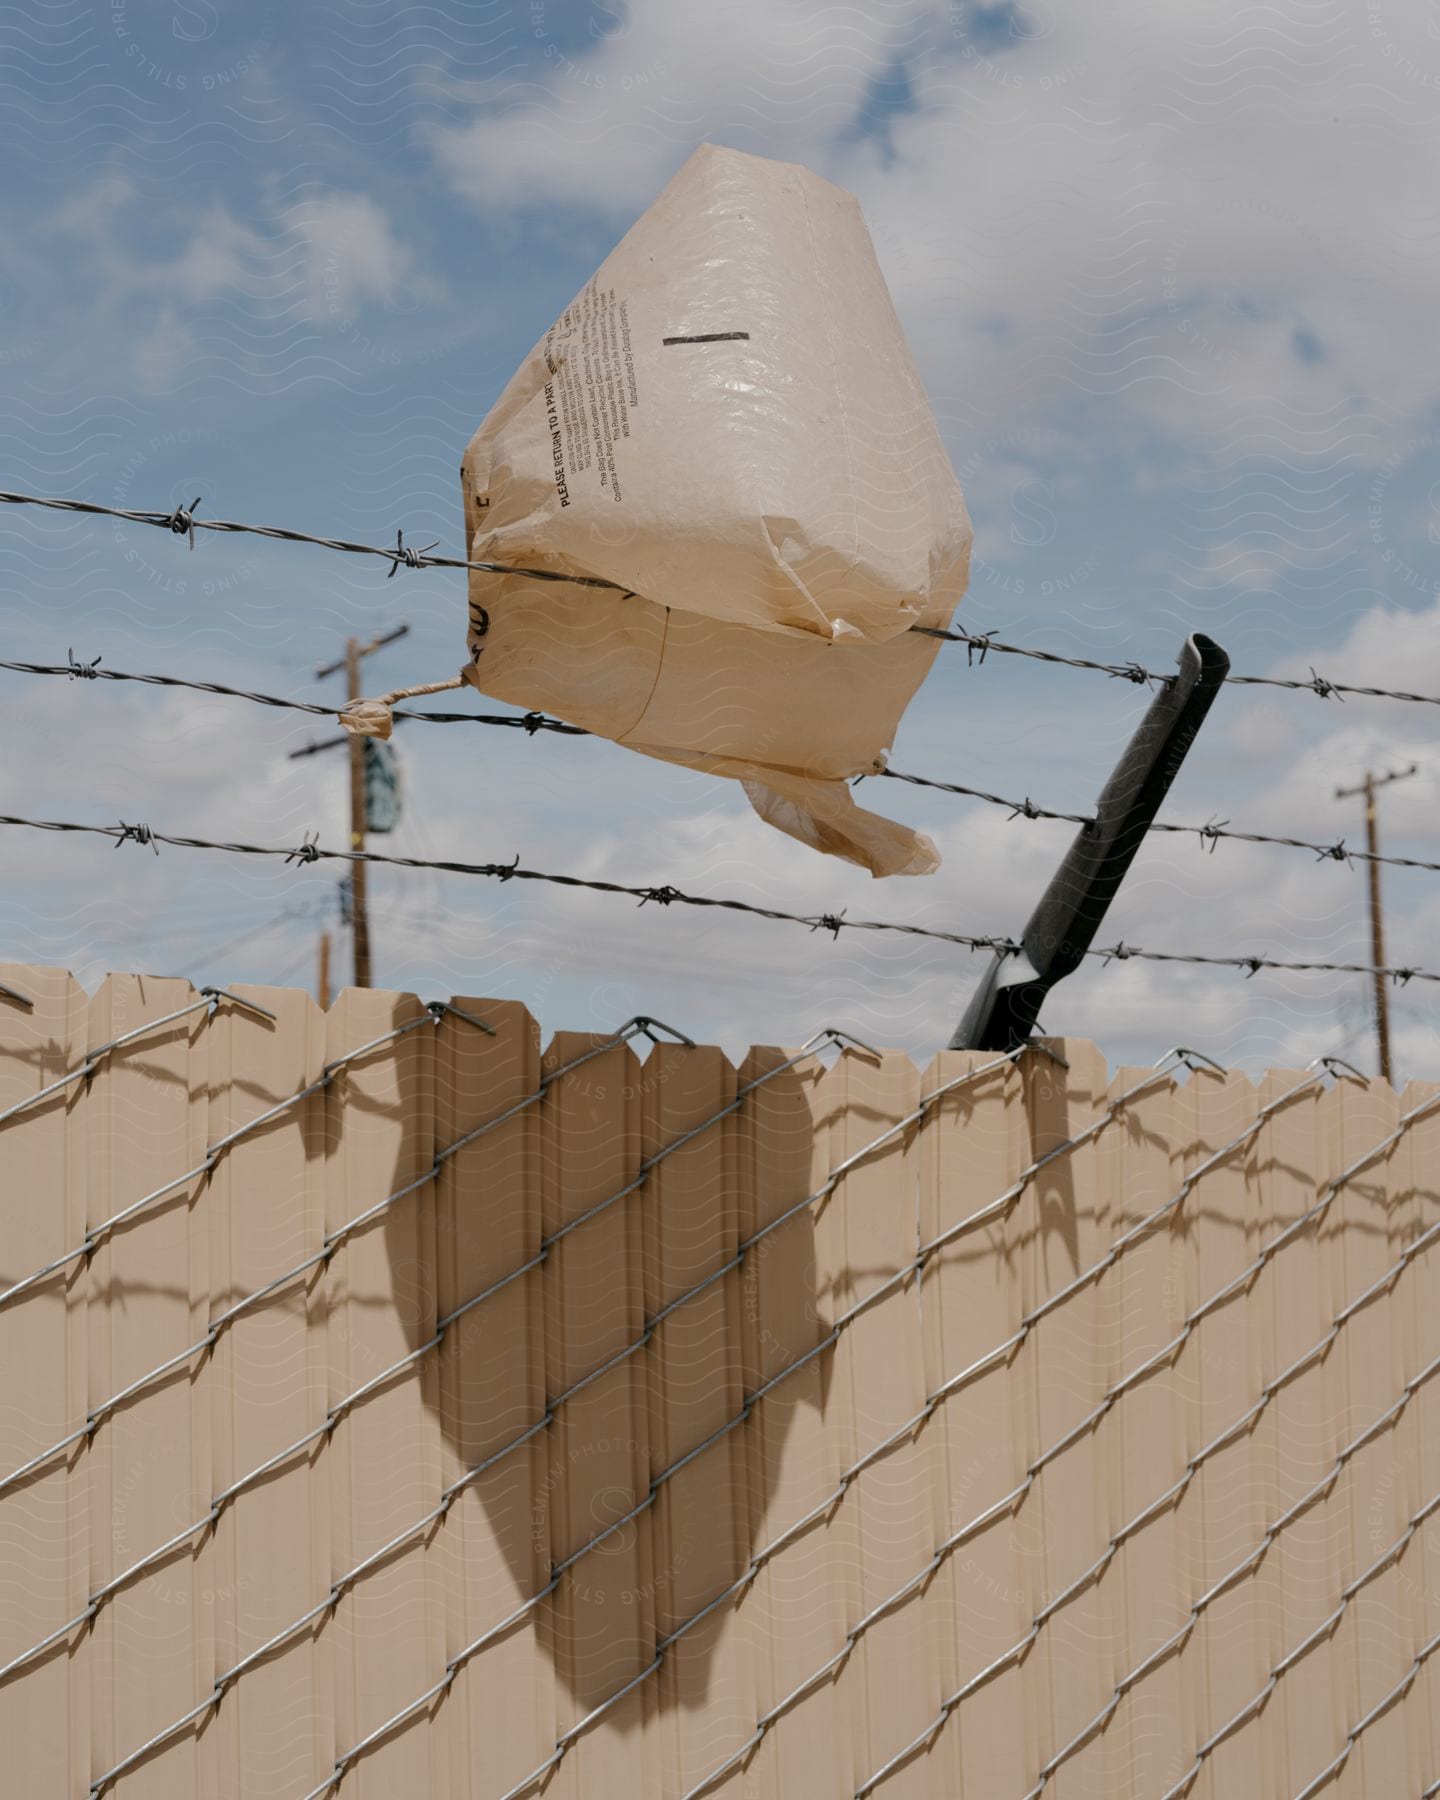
532, 722
247, 937
310, 851
979, 644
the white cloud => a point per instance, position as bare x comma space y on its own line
613, 118
317, 264
352, 256
221, 256
1201, 216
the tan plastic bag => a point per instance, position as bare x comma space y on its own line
727, 424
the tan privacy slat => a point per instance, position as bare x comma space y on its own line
882, 1531
803, 1600
44, 1524
274, 1735
386, 1636
1371, 1352
501, 1711
973, 1148
1297, 1437
151, 1647
593, 1465
1226, 1509
1324, 1557
1066, 1518
1148, 1452
1420, 1475
792, 1626
699, 1528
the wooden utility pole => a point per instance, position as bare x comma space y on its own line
1377, 926
322, 986
359, 912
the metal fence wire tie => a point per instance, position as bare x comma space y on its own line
92, 1060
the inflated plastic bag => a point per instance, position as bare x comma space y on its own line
727, 425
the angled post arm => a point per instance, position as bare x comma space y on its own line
1003, 1009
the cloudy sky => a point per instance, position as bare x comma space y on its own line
1170, 273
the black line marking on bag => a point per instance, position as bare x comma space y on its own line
707, 337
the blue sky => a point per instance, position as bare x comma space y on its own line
1169, 273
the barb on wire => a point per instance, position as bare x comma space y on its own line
136, 834
412, 559
311, 851
307, 851
183, 521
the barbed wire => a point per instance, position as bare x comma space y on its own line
1210, 833
182, 521
92, 671
310, 851
532, 722
978, 644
